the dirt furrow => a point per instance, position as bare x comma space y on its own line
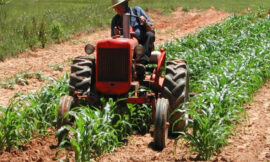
252, 139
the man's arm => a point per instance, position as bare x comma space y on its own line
142, 13
144, 19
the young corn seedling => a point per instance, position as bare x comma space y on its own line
30, 114
228, 62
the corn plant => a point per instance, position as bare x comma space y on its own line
30, 114
228, 62
57, 67
21, 79
96, 130
140, 117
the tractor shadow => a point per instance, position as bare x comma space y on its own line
152, 146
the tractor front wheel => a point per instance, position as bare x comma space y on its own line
161, 123
65, 105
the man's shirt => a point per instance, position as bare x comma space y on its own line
134, 21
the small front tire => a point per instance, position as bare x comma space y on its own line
65, 105
161, 123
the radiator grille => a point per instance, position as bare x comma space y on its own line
113, 64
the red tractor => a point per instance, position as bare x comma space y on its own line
113, 71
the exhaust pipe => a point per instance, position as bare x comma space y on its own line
126, 24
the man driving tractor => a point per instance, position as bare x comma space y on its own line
117, 70
140, 23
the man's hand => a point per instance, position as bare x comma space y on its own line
116, 31
142, 20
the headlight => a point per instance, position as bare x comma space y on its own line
89, 49
139, 50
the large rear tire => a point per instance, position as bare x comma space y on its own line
161, 123
82, 71
176, 88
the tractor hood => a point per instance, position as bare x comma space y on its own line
114, 65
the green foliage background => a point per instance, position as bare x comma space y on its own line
21, 20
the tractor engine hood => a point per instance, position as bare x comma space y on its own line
114, 65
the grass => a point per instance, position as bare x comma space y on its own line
224, 5
30, 24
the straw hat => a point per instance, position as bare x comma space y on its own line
117, 2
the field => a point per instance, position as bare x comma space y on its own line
226, 68
228, 62
30, 24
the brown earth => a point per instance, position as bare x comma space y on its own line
39, 149
251, 143
252, 139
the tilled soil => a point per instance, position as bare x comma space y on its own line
140, 148
252, 139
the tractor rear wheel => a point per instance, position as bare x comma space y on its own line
176, 88
161, 123
82, 71
65, 105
